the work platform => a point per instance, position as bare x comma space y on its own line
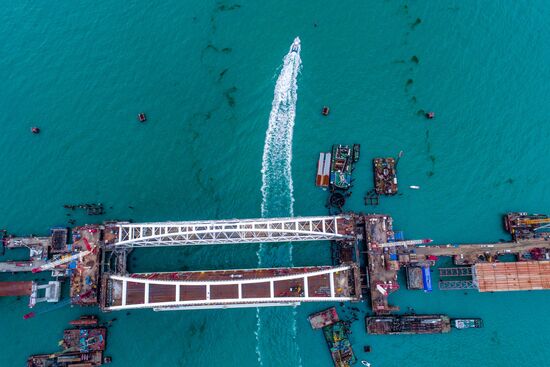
512, 276
230, 288
234, 231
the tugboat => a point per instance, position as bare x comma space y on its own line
142, 117
474, 323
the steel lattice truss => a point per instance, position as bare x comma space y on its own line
233, 231
448, 285
179, 299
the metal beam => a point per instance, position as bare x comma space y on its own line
231, 231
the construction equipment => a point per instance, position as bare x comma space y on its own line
63, 260
535, 221
61, 304
405, 243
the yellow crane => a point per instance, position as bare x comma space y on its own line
536, 221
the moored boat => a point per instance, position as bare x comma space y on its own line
340, 169
473, 323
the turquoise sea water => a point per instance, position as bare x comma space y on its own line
205, 72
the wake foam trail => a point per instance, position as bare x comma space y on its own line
275, 338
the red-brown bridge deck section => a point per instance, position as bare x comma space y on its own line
318, 285
15, 289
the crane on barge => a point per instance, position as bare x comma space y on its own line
52, 264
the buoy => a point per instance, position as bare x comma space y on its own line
430, 115
414, 187
35, 130
325, 111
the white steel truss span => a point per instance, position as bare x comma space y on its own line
230, 231
271, 299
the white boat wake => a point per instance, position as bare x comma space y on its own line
278, 200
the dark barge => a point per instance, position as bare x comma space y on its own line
408, 324
82, 345
385, 176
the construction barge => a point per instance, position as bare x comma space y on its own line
336, 335
408, 324
83, 346
524, 226
343, 159
385, 176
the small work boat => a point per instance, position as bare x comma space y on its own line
473, 323
414, 187
365, 363
325, 111
142, 117
35, 130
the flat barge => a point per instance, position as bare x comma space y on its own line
408, 324
83, 346
385, 176
323, 170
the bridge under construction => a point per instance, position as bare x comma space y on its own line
367, 255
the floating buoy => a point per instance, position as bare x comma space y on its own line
325, 111
35, 130
430, 115
142, 117
414, 187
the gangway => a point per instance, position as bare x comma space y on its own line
464, 271
448, 285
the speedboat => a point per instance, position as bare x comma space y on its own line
295, 45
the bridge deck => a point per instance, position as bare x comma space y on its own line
235, 231
219, 288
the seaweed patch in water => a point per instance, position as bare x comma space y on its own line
430, 173
222, 74
415, 59
509, 181
416, 22
422, 113
223, 7
227, 50
211, 47
228, 93
413, 99
398, 61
